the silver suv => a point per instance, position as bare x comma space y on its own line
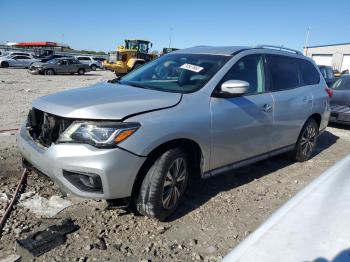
88, 60
197, 111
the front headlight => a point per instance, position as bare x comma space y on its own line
99, 134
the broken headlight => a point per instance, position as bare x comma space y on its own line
99, 134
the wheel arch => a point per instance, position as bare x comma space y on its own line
195, 160
317, 117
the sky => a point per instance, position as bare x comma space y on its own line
102, 25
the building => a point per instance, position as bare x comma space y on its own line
335, 55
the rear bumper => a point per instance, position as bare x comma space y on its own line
340, 114
116, 168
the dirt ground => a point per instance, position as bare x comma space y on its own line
216, 214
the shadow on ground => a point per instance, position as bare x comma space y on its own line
201, 191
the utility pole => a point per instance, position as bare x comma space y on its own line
170, 35
307, 39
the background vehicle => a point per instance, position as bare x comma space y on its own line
16, 61
167, 50
90, 61
340, 102
133, 55
312, 226
197, 111
59, 66
47, 58
328, 74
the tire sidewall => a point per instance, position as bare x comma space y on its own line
151, 191
81, 71
49, 70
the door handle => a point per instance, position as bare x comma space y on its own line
267, 108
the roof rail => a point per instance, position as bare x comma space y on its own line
282, 48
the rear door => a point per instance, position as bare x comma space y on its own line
292, 100
242, 126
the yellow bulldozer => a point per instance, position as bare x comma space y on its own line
131, 56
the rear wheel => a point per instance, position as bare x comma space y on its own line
307, 140
4, 64
93, 67
81, 71
49, 72
164, 185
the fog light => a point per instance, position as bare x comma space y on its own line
84, 181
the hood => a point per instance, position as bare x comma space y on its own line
38, 64
105, 101
341, 97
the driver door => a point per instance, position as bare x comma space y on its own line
242, 126
62, 66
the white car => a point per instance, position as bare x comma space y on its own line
313, 226
88, 60
16, 61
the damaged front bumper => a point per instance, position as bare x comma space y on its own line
35, 70
71, 165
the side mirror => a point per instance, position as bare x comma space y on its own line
233, 88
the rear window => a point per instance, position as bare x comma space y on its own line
308, 72
284, 72
342, 83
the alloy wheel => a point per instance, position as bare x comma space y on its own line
174, 183
308, 140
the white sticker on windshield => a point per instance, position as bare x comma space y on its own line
193, 68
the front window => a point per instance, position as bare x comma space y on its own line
180, 73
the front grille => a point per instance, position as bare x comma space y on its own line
46, 128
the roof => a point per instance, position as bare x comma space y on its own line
326, 45
212, 50
39, 44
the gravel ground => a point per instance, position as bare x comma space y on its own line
215, 216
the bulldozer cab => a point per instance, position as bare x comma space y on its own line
141, 46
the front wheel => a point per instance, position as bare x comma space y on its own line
81, 71
49, 72
5, 64
307, 140
164, 185
93, 67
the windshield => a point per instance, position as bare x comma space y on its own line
180, 73
342, 84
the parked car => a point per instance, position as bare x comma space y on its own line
59, 66
21, 53
328, 74
47, 58
101, 59
312, 226
197, 111
88, 60
16, 61
340, 102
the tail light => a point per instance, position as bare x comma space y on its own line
329, 91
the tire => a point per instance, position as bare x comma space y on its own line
306, 142
5, 64
49, 72
81, 71
160, 195
93, 67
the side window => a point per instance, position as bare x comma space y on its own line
250, 69
308, 72
284, 72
